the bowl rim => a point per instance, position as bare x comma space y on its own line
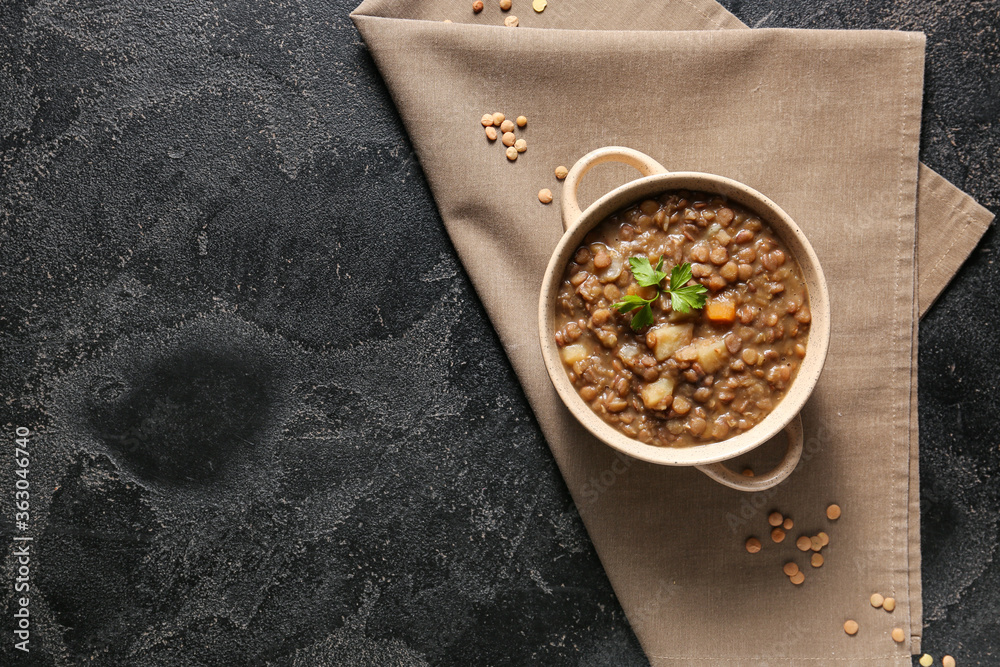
819, 332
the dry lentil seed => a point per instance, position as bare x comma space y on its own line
787, 524
947, 661
889, 604
477, 6
753, 545
498, 118
833, 512
487, 119
775, 518
824, 537
521, 145
491, 133
815, 543
561, 172
816, 560
747, 472
539, 5
778, 535
508, 138
507, 126
851, 627
926, 660
510, 21
545, 196
522, 121
898, 635
504, 5
797, 578
790, 568
511, 153
803, 543
877, 600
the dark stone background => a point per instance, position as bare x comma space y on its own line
273, 423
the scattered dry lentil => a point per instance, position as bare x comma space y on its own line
947, 661
816, 560
889, 604
753, 545
778, 535
833, 512
803, 543
851, 627
522, 121
824, 537
775, 518
487, 119
521, 145
504, 5
926, 660
790, 568
797, 578
545, 196
498, 118
815, 543
477, 6
507, 126
539, 5
491, 133
787, 523
877, 600
561, 172
508, 139
898, 635
510, 21
511, 153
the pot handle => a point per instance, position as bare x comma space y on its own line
646, 165
723, 475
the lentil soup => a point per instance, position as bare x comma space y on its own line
688, 378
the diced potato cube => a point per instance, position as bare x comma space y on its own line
720, 311
666, 339
710, 353
573, 353
656, 394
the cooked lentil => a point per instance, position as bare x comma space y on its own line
715, 373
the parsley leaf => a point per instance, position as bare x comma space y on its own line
643, 317
630, 303
684, 297
644, 272
688, 297
679, 276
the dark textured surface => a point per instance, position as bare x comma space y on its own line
273, 424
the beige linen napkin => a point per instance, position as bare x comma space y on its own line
827, 124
